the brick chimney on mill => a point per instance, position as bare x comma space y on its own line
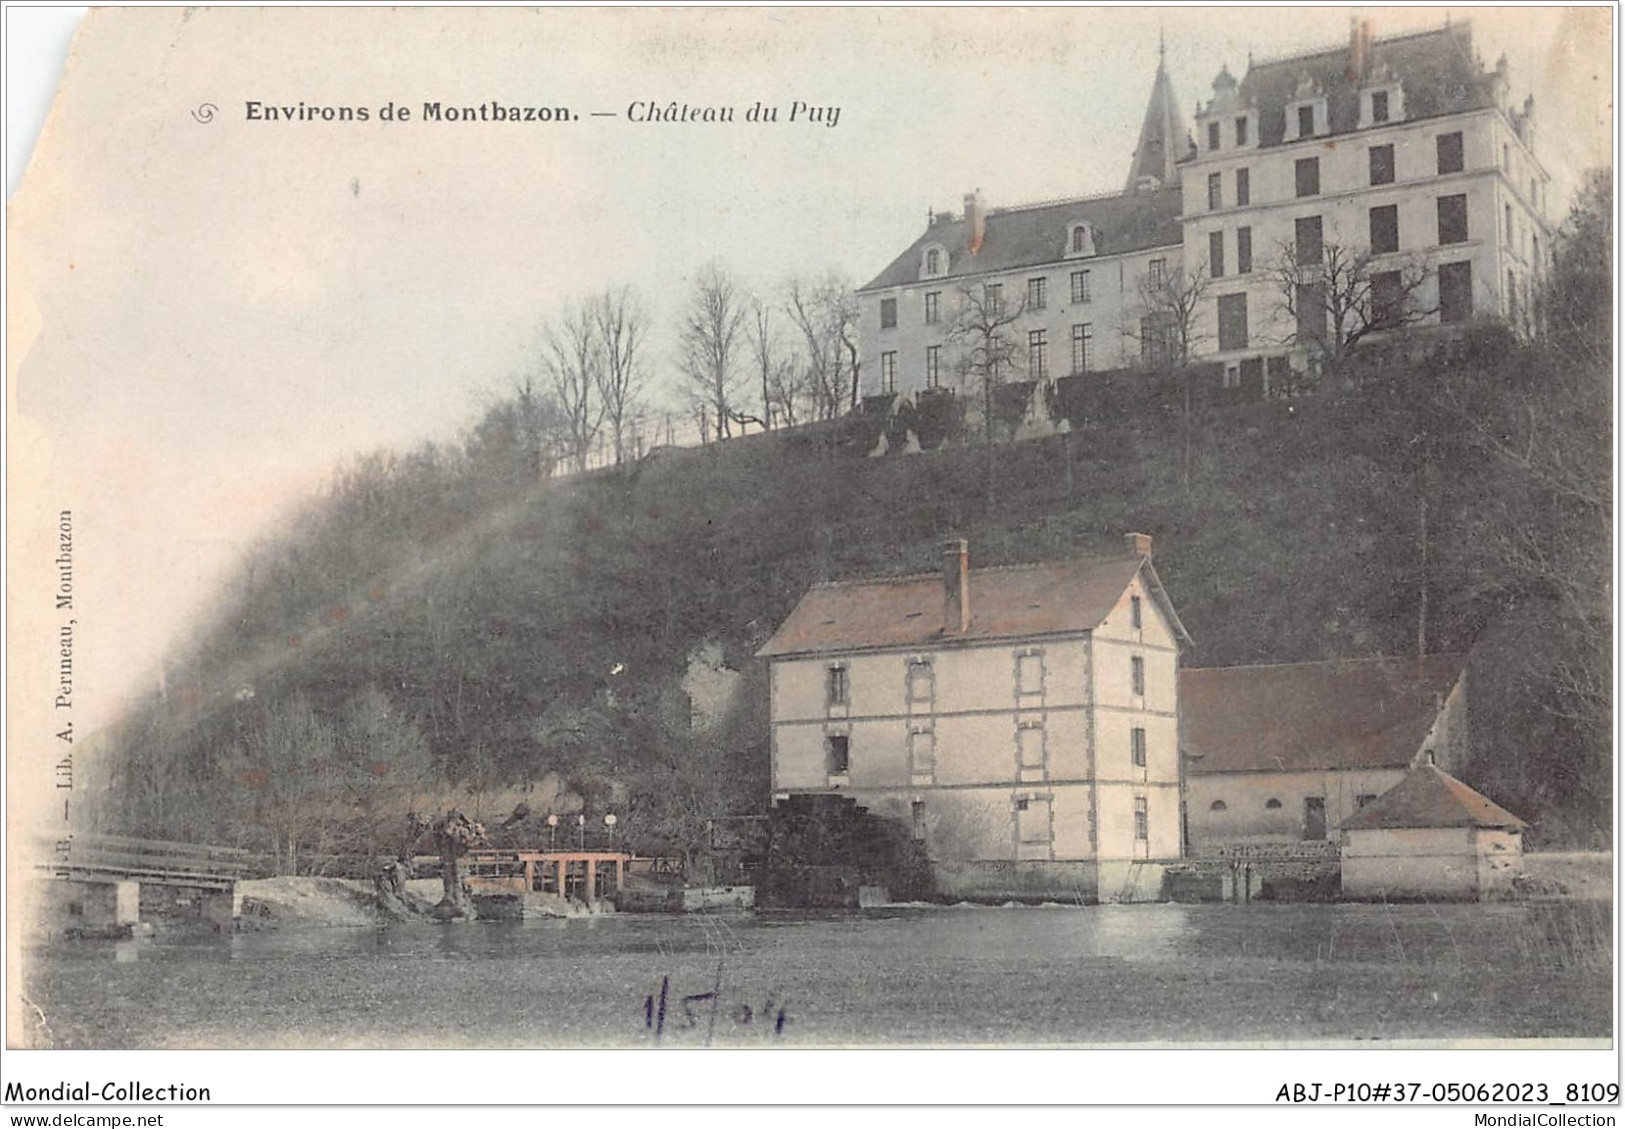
955, 587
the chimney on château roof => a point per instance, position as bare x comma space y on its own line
975, 220
1359, 48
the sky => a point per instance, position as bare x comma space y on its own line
208, 314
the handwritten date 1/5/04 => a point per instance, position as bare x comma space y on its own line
703, 1010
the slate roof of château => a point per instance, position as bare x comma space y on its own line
1036, 235
1437, 69
1015, 601
1431, 797
1297, 717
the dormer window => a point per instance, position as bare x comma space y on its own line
1381, 106
1306, 113
1223, 132
1080, 241
1306, 119
933, 261
1226, 119
1382, 99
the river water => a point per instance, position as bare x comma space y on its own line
926, 975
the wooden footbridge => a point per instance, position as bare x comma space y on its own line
580, 875
101, 876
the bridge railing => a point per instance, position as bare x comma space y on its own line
155, 860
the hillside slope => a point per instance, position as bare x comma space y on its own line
524, 629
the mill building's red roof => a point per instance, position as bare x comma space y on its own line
1364, 713
1015, 601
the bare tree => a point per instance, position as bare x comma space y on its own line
573, 358
789, 390
676, 801
825, 311
710, 343
622, 325
454, 836
538, 425
383, 767
1338, 298
1576, 308
764, 349
519, 436
1538, 530
1169, 329
1547, 424
285, 760
700, 417
989, 356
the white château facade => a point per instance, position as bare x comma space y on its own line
1406, 152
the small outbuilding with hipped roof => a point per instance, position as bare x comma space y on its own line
1431, 836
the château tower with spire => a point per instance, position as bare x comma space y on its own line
1164, 140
